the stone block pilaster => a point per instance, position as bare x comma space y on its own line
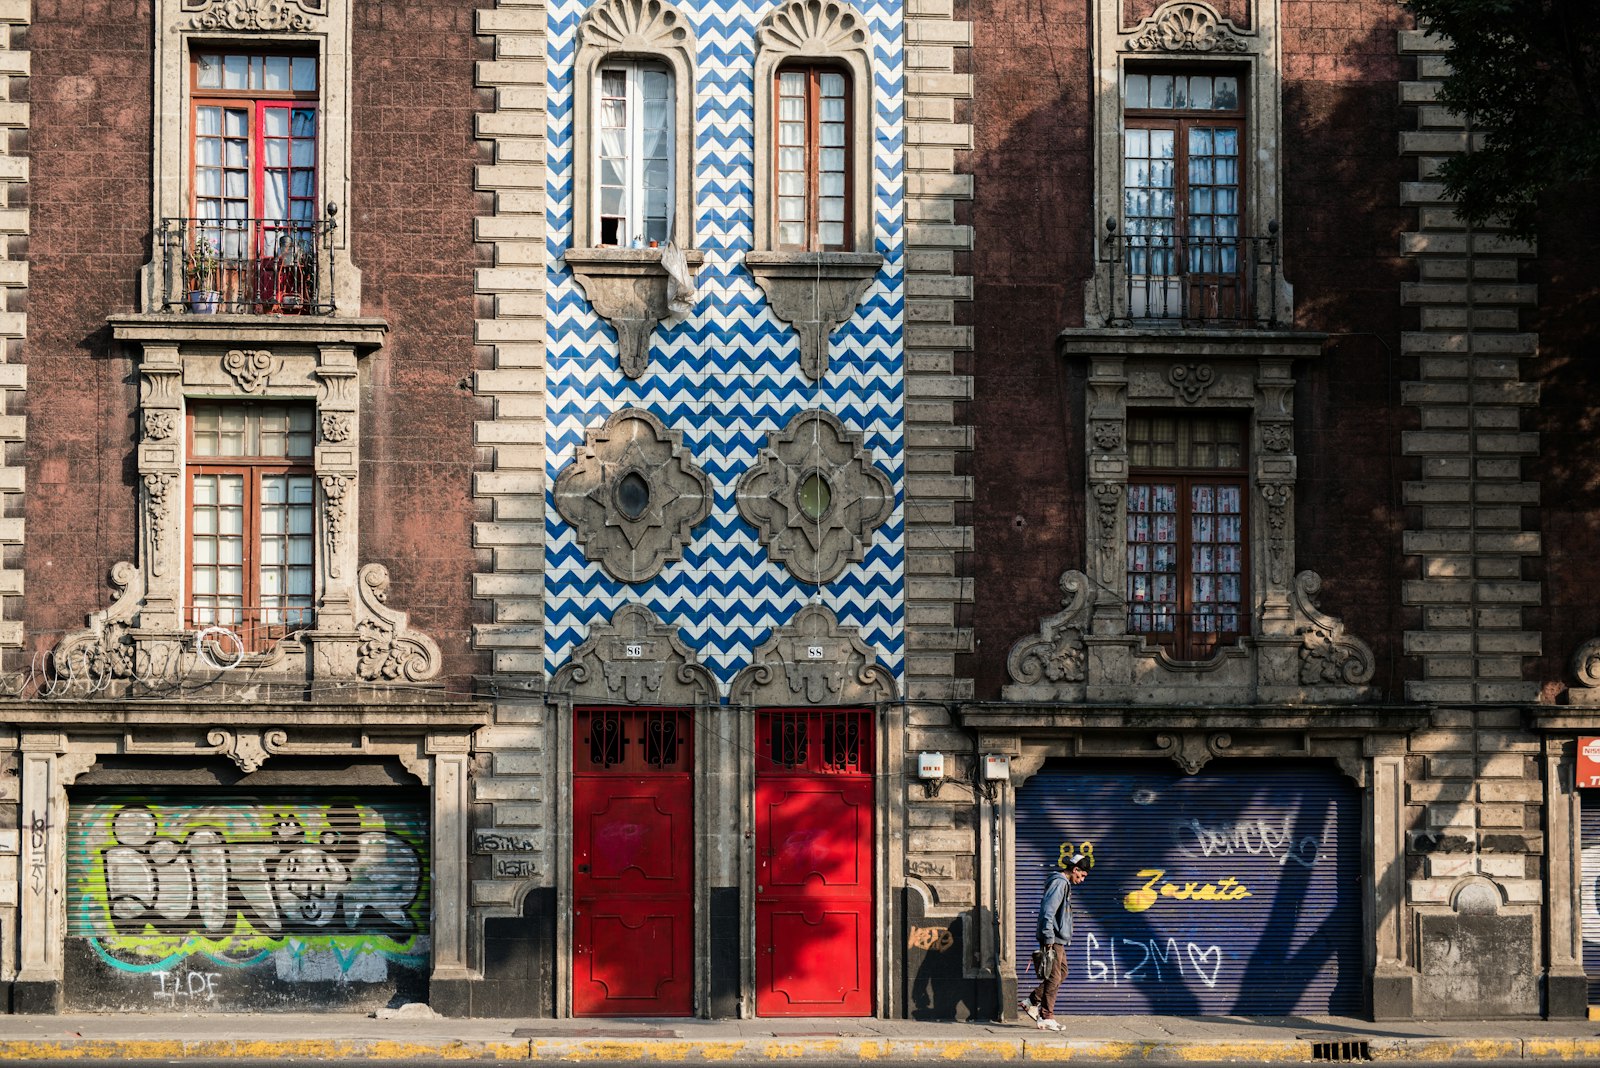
938, 286
14, 115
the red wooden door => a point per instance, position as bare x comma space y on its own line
814, 806
633, 919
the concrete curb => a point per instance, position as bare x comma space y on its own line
770, 1050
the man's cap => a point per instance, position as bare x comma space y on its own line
1078, 861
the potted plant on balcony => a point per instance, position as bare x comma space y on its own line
200, 264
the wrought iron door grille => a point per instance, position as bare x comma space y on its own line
661, 738
631, 740
829, 741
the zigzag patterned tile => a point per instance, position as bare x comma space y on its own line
728, 374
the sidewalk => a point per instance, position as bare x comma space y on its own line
1164, 1039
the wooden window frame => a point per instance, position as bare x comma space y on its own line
634, 190
1185, 643
257, 101
1180, 122
254, 635
813, 149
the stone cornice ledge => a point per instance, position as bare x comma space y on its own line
1186, 344
364, 334
1574, 719
1026, 719
75, 714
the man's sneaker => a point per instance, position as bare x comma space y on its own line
1048, 1024
1029, 1007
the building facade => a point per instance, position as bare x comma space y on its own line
691, 507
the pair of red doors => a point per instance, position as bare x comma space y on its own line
633, 873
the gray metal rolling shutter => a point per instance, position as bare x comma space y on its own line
1234, 891
163, 875
1588, 898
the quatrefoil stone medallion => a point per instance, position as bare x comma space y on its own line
816, 497
633, 496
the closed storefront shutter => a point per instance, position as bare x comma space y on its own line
196, 901
1234, 891
1587, 897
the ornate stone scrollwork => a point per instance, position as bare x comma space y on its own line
636, 26
1057, 653
633, 495
814, 27
88, 660
252, 369
814, 661
815, 496
1277, 437
160, 424
1186, 27
257, 15
1191, 380
1328, 656
158, 495
335, 510
1586, 666
389, 651
635, 659
245, 748
1192, 751
1278, 496
336, 426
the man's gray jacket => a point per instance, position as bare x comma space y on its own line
1055, 911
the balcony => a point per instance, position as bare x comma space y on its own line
247, 266
1180, 280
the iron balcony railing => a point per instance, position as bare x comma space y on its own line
248, 266
1188, 280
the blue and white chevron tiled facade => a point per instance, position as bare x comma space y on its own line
729, 373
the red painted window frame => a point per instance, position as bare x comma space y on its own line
257, 102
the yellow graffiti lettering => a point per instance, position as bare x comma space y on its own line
932, 939
1229, 889
1064, 855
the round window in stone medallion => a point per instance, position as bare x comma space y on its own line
815, 497
632, 495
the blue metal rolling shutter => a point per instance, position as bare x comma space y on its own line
1588, 899
1234, 891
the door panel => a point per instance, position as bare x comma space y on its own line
633, 860
814, 870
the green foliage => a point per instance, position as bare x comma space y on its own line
1525, 72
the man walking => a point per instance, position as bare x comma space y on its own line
1055, 934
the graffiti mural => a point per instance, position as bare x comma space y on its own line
1232, 891
305, 893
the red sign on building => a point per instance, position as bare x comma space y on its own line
1588, 762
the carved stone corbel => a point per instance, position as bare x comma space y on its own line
814, 661
814, 292
631, 290
1193, 750
1052, 663
635, 659
246, 748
